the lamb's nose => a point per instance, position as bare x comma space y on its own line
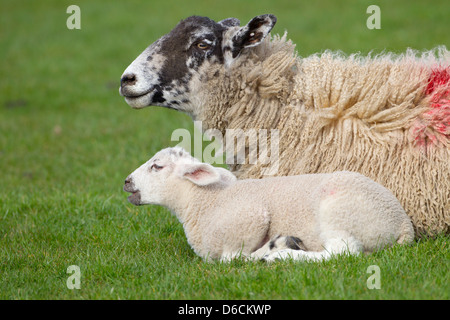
128, 186
128, 79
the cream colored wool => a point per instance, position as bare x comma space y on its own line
224, 217
337, 112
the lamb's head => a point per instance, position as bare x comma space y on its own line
167, 72
170, 173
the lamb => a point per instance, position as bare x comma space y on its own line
385, 116
304, 217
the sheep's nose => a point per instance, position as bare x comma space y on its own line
128, 79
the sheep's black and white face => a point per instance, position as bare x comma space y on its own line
164, 74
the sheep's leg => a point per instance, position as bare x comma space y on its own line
333, 246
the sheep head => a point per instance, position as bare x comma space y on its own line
167, 72
170, 173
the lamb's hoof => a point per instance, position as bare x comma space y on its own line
295, 243
268, 258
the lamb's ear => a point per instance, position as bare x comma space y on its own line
202, 174
226, 177
249, 35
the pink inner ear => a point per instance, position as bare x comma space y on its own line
197, 174
201, 174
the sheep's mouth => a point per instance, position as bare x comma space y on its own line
152, 96
139, 101
135, 198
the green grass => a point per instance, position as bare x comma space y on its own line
68, 140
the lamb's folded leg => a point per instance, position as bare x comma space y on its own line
334, 246
276, 244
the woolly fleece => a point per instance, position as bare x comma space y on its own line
370, 114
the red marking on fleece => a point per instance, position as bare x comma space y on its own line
434, 125
438, 77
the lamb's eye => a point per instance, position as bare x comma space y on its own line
203, 45
155, 167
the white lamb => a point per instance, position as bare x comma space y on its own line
304, 217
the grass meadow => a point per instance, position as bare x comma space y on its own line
68, 140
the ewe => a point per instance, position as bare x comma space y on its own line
305, 217
386, 116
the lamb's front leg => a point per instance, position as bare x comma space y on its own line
228, 256
238, 234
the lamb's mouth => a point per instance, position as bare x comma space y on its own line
135, 198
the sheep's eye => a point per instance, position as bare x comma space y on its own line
155, 167
203, 45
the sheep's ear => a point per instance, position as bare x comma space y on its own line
202, 174
255, 31
248, 36
230, 22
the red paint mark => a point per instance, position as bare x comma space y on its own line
433, 127
438, 78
